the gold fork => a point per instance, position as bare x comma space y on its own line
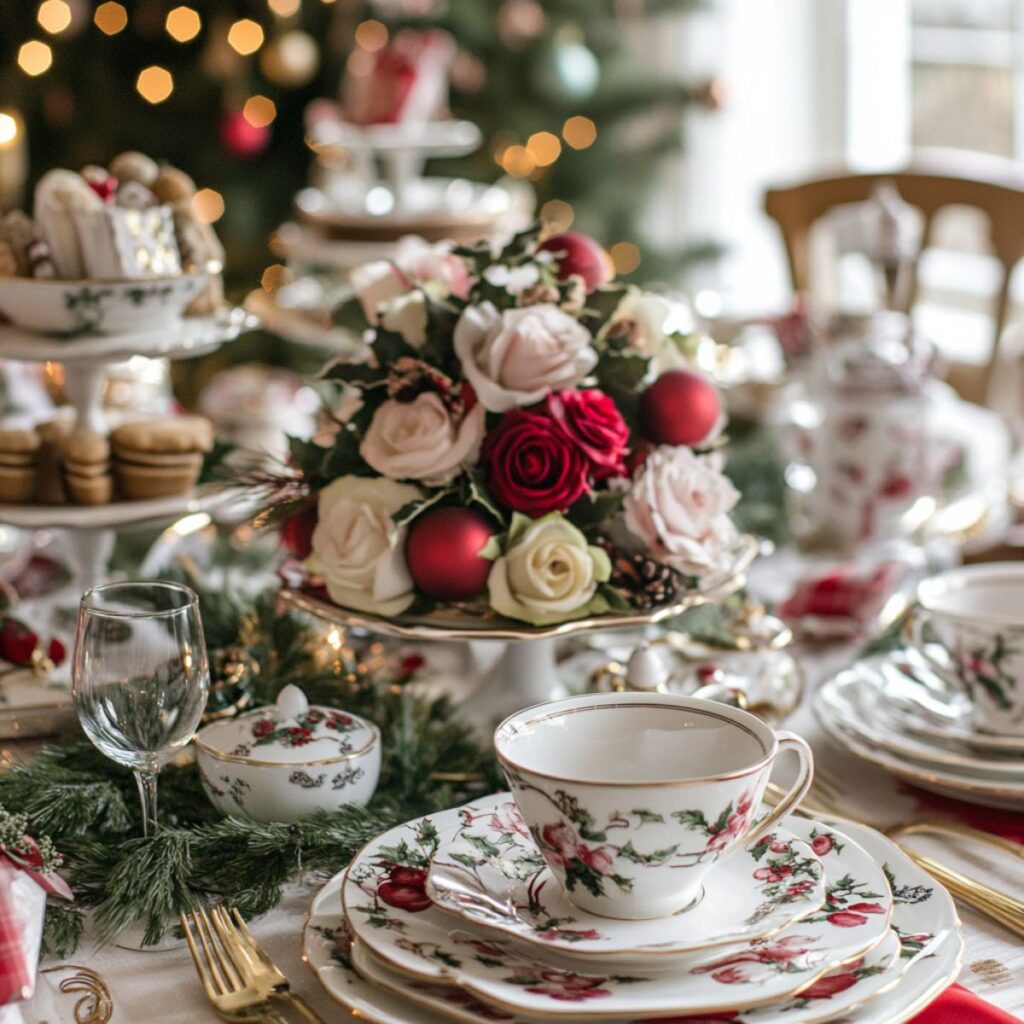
255, 964
233, 997
999, 906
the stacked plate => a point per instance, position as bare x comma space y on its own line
456, 916
902, 713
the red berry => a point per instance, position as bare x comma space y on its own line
579, 254
680, 407
443, 553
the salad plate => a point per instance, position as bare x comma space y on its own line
923, 917
490, 873
385, 902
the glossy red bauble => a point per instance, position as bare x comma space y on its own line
680, 407
580, 254
242, 139
443, 553
297, 533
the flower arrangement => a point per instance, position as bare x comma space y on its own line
522, 438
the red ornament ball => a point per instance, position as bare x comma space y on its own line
579, 254
680, 407
443, 553
297, 533
242, 139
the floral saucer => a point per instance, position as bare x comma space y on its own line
490, 873
923, 917
385, 902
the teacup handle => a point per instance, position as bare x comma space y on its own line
796, 793
915, 633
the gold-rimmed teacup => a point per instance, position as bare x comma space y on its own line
632, 798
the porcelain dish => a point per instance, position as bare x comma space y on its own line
288, 761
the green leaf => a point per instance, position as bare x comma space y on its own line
350, 316
484, 845
389, 347
595, 509
648, 817
601, 306
691, 819
466, 860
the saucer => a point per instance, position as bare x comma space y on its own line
490, 873
385, 902
923, 915
855, 698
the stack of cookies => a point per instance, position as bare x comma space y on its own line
87, 468
157, 458
19, 455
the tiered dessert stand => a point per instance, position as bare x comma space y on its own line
526, 672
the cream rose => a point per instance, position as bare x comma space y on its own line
357, 548
678, 507
517, 356
406, 315
653, 324
378, 283
548, 573
419, 440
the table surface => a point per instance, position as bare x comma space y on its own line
163, 985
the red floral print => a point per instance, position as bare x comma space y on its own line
830, 985
405, 889
846, 919
567, 987
560, 840
822, 845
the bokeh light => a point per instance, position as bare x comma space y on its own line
557, 215
208, 205
154, 84
110, 18
625, 257
544, 148
183, 24
259, 111
371, 35
54, 16
579, 132
35, 57
245, 36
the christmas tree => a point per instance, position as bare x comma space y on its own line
219, 87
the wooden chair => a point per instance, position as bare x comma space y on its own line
1000, 198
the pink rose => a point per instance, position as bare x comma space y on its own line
421, 440
600, 858
730, 975
822, 845
679, 508
517, 357
867, 908
845, 919
559, 840
779, 847
509, 821
433, 265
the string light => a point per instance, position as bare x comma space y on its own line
54, 16
557, 215
544, 148
518, 162
371, 35
245, 36
9, 129
579, 132
625, 257
154, 84
259, 111
34, 57
183, 24
110, 18
208, 205
284, 8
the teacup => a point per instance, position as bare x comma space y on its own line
970, 624
633, 797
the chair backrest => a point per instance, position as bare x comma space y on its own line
797, 208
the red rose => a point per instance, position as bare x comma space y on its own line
821, 845
405, 889
844, 919
532, 465
591, 421
825, 988
867, 908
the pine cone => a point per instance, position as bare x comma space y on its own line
648, 584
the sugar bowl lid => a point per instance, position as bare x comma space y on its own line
289, 732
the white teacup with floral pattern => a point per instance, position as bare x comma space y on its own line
633, 797
970, 625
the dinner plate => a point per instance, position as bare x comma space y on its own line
1006, 796
856, 699
923, 915
490, 873
385, 903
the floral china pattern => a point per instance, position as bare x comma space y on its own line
300, 732
984, 667
491, 873
233, 788
580, 846
385, 900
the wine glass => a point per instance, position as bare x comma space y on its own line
140, 676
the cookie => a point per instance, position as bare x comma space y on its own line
50, 489
178, 436
17, 484
140, 483
86, 469
172, 460
172, 185
90, 490
132, 166
87, 447
18, 441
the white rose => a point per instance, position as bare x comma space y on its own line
406, 315
357, 548
377, 283
679, 506
548, 573
418, 440
517, 356
652, 323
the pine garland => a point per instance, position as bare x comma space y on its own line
88, 806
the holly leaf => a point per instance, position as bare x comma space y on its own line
350, 317
307, 456
615, 599
411, 509
478, 495
648, 817
389, 347
601, 306
466, 860
595, 508
484, 845
343, 459
691, 819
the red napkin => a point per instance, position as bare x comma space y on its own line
957, 1005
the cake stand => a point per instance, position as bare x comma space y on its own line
526, 672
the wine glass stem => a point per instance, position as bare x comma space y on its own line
147, 793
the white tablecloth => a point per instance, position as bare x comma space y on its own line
162, 986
